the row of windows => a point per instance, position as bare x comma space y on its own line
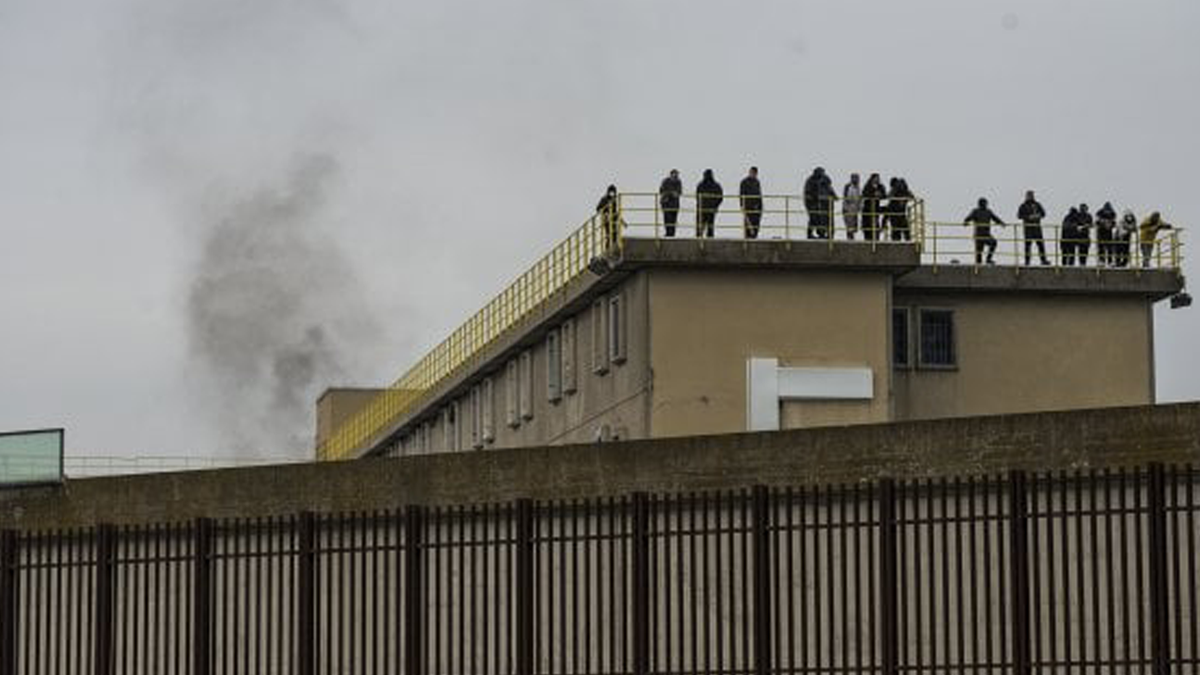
468, 422
935, 344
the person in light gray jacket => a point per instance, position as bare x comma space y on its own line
851, 202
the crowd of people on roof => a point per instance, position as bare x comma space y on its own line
876, 211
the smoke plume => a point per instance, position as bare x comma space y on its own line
273, 310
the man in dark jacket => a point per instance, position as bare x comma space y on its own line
1031, 214
872, 195
669, 193
819, 197
1106, 224
1083, 234
982, 218
709, 196
1068, 238
750, 192
606, 208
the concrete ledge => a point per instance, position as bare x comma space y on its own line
1064, 441
1156, 284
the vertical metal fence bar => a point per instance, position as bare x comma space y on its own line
524, 592
1159, 600
1018, 534
888, 566
105, 617
411, 590
305, 612
761, 541
8, 602
641, 584
202, 548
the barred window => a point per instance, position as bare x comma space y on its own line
901, 347
937, 339
553, 367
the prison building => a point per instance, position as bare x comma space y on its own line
622, 332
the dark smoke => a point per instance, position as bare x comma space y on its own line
274, 311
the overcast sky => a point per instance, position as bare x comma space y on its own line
212, 208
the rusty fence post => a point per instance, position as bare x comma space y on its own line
202, 595
1160, 643
104, 624
306, 596
9, 614
524, 591
1018, 532
414, 590
888, 578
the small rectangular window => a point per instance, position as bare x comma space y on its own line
526, 386
570, 382
599, 320
937, 347
489, 405
616, 328
553, 367
901, 347
512, 389
475, 401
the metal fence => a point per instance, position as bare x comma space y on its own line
1082, 573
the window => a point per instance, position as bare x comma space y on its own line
458, 423
512, 390
901, 343
449, 429
526, 385
937, 339
600, 337
488, 404
475, 402
570, 382
553, 367
616, 328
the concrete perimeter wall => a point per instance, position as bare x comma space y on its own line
1096, 438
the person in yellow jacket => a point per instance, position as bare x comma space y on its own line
1148, 232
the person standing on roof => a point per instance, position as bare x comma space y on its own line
669, 193
982, 218
709, 196
1125, 230
851, 204
1031, 214
872, 195
1083, 232
1106, 223
897, 210
607, 210
1068, 237
750, 192
1147, 234
819, 197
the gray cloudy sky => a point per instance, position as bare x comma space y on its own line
400, 161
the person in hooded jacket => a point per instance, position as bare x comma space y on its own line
819, 197
872, 195
607, 208
897, 210
709, 196
1106, 222
750, 192
1031, 214
1068, 237
982, 218
1148, 232
1125, 230
669, 193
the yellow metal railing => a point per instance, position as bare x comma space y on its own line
639, 215
597, 236
956, 243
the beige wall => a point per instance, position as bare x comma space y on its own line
1029, 353
707, 323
